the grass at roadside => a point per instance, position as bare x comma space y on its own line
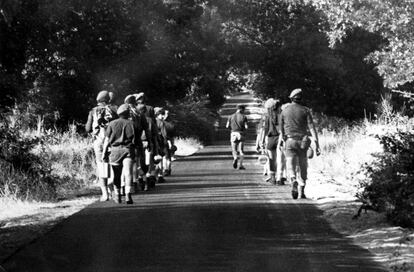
187, 146
335, 179
72, 162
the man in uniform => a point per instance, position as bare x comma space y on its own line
171, 148
237, 122
122, 136
98, 119
141, 124
296, 122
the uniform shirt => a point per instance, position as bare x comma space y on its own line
170, 129
295, 120
271, 125
237, 122
121, 133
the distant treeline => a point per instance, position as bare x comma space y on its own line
56, 55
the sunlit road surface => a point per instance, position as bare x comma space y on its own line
207, 217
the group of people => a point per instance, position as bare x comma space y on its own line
133, 145
285, 134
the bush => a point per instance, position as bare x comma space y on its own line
25, 175
193, 118
390, 185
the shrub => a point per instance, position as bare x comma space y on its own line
193, 118
390, 184
25, 175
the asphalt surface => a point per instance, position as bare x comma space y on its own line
207, 217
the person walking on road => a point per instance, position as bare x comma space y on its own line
171, 148
237, 122
296, 122
270, 137
121, 135
98, 119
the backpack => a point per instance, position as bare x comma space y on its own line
102, 115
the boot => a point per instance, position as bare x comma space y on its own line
272, 178
117, 197
128, 199
141, 184
151, 181
295, 192
161, 179
104, 197
302, 192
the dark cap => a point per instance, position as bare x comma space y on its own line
130, 99
103, 96
123, 109
296, 93
158, 110
139, 96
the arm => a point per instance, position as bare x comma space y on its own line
246, 126
282, 130
105, 154
105, 149
312, 130
88, 125
228, 122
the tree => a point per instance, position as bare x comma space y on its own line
392, 19
284, 42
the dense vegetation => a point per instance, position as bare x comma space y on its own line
56, 55
389, 187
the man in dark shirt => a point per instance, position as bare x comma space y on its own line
237, 122
296, 121
122, 136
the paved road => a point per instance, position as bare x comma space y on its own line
207, 217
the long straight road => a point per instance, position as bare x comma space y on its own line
207, 217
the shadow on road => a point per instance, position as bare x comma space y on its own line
195, 237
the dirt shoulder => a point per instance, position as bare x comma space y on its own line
392, 246
22, 222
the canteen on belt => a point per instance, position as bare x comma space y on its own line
157, 159
309, 153
263, 159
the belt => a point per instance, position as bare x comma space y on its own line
299, 138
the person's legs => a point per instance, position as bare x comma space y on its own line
127, 165
241, 155
291, 163
272, 164
117, 170
303, 171
281, 166
102, 177
103, 184
234, 146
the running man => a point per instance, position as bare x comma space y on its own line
237, 122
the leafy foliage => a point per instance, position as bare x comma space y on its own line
25, 174
392, 19
64, 52
390, 187
284, 42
